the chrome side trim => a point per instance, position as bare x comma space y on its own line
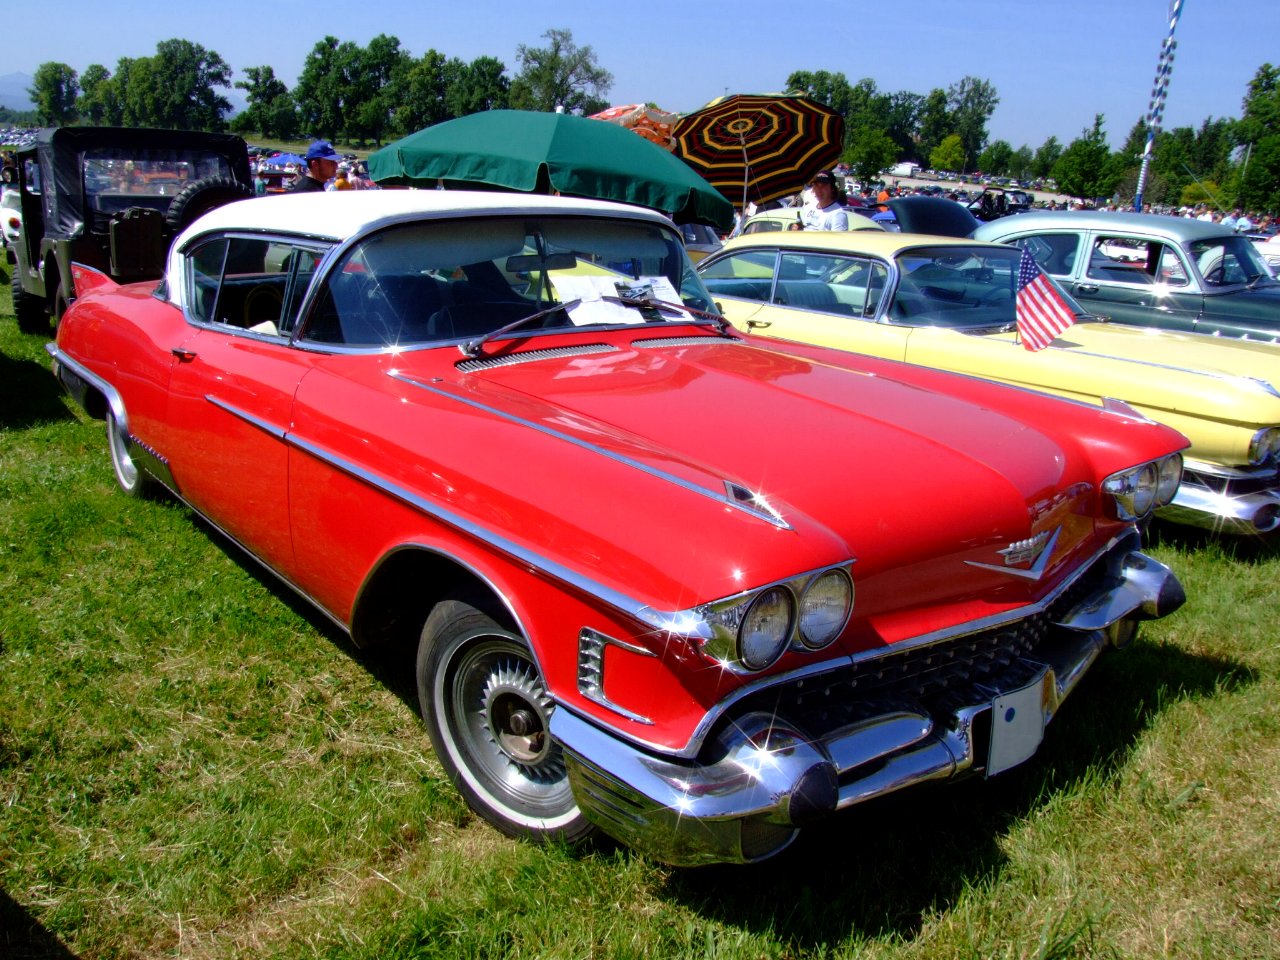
270, 429
725, 496
109, 393
1228, 377
591, 644
1244, 513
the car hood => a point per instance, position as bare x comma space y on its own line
643, 467
1159, 371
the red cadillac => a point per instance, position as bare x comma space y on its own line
692, 588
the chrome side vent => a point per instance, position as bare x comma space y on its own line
531, 356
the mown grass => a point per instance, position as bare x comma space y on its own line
193, 765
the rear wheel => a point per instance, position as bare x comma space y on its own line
27, 307
488, 714
133, 479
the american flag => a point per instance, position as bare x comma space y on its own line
1041, 312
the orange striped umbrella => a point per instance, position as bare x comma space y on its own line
761, 147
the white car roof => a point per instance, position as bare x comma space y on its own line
336, 216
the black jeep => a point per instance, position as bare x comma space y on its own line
112, 198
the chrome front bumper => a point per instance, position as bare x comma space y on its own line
1236, 501
763, 777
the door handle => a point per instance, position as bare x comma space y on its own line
752, 324
183, 354
1086, 288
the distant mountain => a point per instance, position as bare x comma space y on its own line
13, 91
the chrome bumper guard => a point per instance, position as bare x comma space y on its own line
763, 778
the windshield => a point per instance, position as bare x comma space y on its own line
448, 280
958, 287
1228, 261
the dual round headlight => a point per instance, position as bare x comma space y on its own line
776, 618
1139, 490
1265, 446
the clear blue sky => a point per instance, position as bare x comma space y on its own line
1054, 63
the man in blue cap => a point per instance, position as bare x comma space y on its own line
322, 164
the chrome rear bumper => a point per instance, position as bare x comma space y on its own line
764, 777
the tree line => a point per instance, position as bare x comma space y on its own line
376, 93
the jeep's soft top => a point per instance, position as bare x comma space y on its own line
61, 150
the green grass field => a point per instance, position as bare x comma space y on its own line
193, 765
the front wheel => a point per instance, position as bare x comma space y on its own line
488, 714
133, 480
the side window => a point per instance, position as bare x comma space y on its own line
1055, 252
747, 275
1128, 260
829, 284
246, 283
205, 264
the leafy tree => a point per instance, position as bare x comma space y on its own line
1085, 168
179, 88
425, 87
1021, 163
271, 110
99, 100
971, 102
901, 117
374, 76
870, 150
1045, 157
948, 155
480, 85
1259, 131
53, 90
996, 159
321, 92
934, 124
560, 74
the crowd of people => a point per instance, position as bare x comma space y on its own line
323, 168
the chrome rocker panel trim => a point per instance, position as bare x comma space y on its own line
763, 778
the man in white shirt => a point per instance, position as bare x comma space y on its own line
826, 212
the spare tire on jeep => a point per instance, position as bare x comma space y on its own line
199, 197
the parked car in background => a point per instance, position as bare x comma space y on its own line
652, 576
112, 198
1175, 273
782, 218
10, 220
949, 303
699, 240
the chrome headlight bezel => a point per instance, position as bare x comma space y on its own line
1264, 447
725, 634
1138, 491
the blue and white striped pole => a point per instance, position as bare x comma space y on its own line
1155, 111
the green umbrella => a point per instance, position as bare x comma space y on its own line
551, 152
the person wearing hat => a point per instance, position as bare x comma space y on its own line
826, 212
322, 164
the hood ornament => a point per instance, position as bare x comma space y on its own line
1034, 551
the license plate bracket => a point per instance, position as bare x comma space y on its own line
1017, 724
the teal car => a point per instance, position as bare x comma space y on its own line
1150, 270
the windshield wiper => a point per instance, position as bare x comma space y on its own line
471, 348
649, 303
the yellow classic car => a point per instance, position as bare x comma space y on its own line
950, 303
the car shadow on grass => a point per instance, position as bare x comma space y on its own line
23, 937
29, 394
883, 868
